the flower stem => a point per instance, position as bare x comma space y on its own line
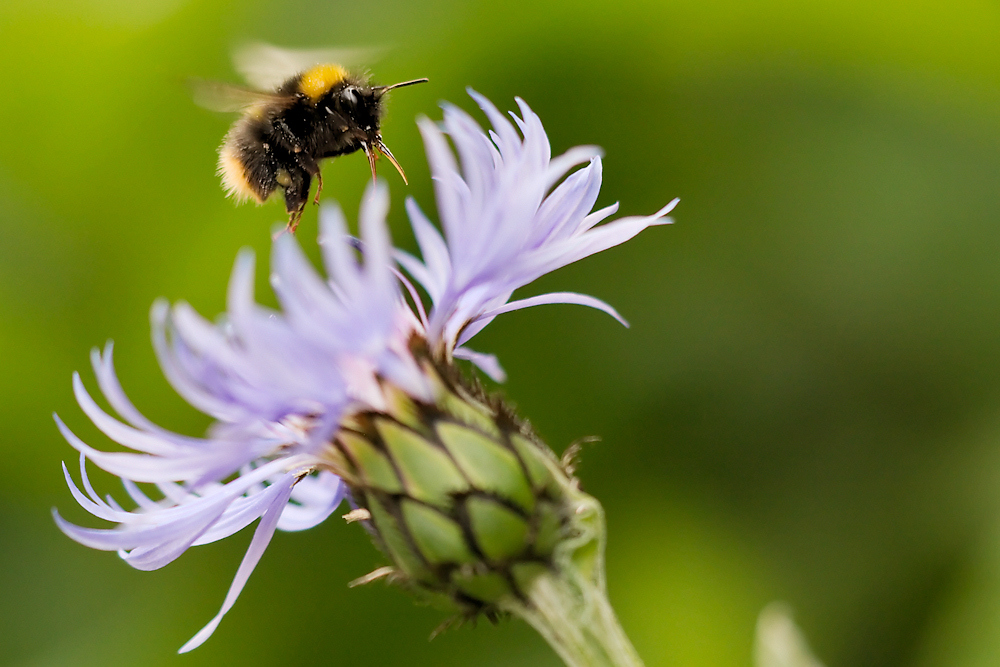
575, 617
567, 603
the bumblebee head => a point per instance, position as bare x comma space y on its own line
364, 106
360, 106
351, 100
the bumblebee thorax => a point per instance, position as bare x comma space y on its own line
317, 81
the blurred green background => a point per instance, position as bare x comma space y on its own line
807, 405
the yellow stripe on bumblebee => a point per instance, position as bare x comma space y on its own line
318, 80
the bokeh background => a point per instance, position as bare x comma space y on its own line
807, 405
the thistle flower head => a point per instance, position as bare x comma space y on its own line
504, 223
350, 385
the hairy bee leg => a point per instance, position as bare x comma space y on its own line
384, 150
297, 196
319, 188
370, 154
311, 167
294, 217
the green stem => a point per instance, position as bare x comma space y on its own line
568, 603
575, 617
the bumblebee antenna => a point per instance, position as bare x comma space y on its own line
382, 90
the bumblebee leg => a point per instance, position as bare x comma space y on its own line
312, 168
294, 217
319, 188
296, 197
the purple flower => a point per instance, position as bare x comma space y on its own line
504, 223
280, 383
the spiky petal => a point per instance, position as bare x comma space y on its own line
507, 219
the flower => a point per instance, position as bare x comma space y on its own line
288, 388
504, 228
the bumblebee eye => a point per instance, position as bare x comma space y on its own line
349, 98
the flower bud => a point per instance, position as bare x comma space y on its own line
460, 495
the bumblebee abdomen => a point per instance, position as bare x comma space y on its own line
248, 164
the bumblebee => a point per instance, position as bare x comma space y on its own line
318, 111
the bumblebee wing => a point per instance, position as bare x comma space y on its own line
218, 96
266, 66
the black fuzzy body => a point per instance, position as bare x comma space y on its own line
279, 143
